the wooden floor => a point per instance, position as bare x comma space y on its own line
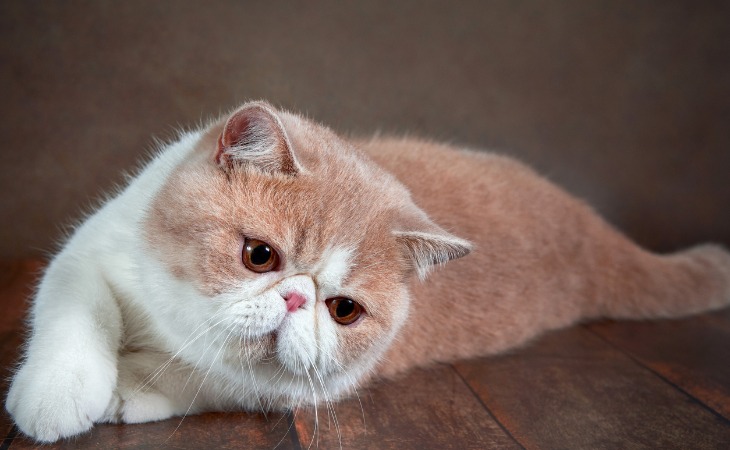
599, 386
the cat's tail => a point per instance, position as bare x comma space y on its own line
645, 285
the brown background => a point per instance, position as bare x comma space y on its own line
627, 104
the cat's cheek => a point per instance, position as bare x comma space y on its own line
363, 342
357, 342
251, 315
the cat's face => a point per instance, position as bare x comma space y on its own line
295, 247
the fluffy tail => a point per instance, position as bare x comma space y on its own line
642, 285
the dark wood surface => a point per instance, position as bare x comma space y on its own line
605, 385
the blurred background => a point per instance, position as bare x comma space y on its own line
626, 104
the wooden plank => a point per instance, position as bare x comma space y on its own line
693, 353
426, 409
17, 281
572, 390
16, 285
10, 342
206, 431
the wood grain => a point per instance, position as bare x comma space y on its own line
17, 279
572, 390
206, 431
426, 409
694, 353
10, 343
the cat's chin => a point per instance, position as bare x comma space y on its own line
278, 353
297, 384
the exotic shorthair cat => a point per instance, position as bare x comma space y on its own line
264, 262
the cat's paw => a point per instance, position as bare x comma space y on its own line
52, 402
145, 406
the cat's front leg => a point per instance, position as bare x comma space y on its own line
70, 369
155, 386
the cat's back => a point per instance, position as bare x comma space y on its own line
468, 192
423, 165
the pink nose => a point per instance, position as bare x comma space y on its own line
294, 301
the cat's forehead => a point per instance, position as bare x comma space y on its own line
336, 214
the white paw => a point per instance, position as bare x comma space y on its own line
53, 401
145, 406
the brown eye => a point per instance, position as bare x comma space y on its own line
344, 310
259, 256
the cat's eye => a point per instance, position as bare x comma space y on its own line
344, 310
259, 256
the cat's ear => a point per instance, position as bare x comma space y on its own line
254, 135
427, 245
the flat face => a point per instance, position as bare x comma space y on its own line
330, 231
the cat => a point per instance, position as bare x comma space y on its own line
263, 263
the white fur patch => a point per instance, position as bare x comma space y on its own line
333, 270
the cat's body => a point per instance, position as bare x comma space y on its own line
542, 259
150, 310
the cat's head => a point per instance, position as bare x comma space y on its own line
294, 247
